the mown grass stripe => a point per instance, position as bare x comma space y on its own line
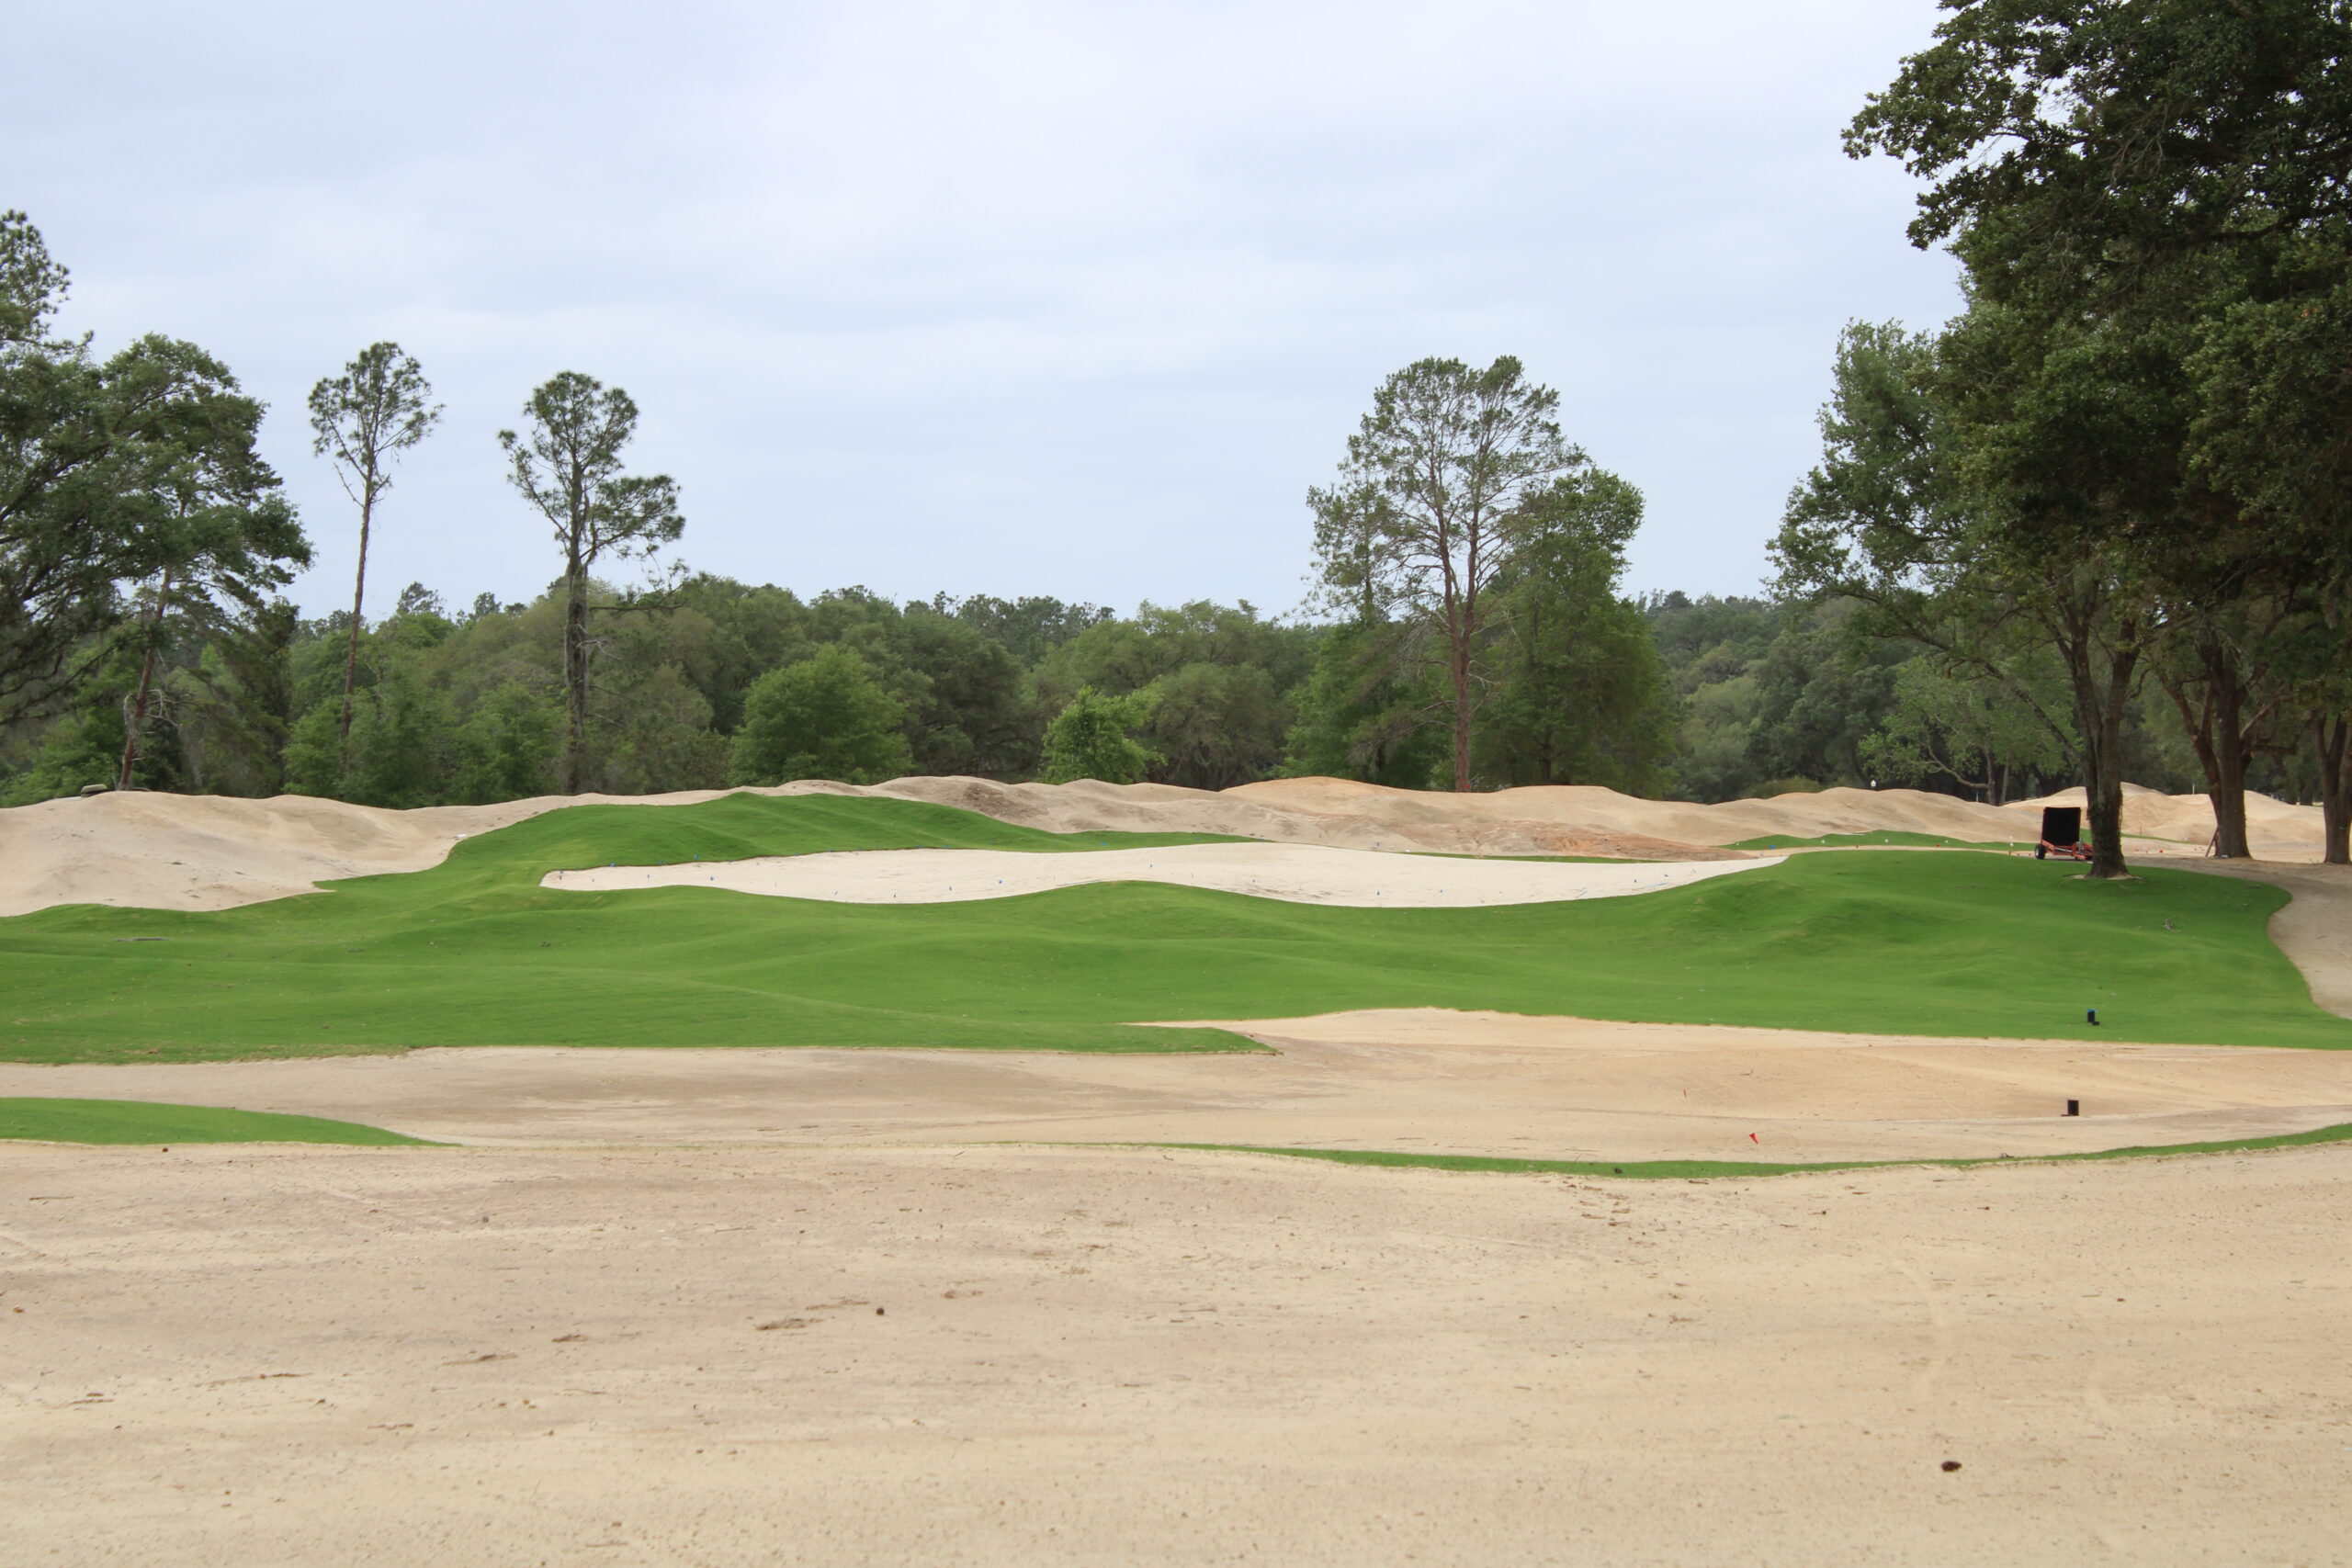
143, 1122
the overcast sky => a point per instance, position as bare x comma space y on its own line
1013, 298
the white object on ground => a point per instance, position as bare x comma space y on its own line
1297, 874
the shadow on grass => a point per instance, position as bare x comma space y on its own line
1703, 1169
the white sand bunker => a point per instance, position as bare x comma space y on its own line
1298, 874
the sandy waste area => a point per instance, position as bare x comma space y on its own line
230, 1357
883, 1307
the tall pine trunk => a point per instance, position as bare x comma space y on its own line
1461, 628
1461, 670
576, 672
138, 717
358, 597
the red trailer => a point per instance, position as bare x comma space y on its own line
2062, 834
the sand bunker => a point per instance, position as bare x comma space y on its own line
1297, 874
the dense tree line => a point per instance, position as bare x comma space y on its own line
1785, 694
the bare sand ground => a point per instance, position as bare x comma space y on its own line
213, 853
1426, 1080
235, 1357
1297, 874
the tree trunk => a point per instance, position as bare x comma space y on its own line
359, 594
575, 674
2217, 733
2103, 791
146, 674
2100, 698
1461, 627
1461, 670
2332, 739
2228, 785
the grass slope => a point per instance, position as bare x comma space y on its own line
1882, 840
136, 1122
474, 952
1703, 1169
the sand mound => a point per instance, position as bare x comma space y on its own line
1589, 808
1459, 825
1297, 874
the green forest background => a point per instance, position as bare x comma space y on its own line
1702, 698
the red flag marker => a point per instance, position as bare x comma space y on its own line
1753, 1139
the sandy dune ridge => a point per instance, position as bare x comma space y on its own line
150, 851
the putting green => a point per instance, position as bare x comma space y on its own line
474, 952
137, 1121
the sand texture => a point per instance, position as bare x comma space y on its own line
1297, 874
1029, 1357
1590, 808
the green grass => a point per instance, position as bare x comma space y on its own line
136, 1122
1705, 1169
1902, 840
474, 952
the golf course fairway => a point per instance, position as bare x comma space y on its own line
474, 952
